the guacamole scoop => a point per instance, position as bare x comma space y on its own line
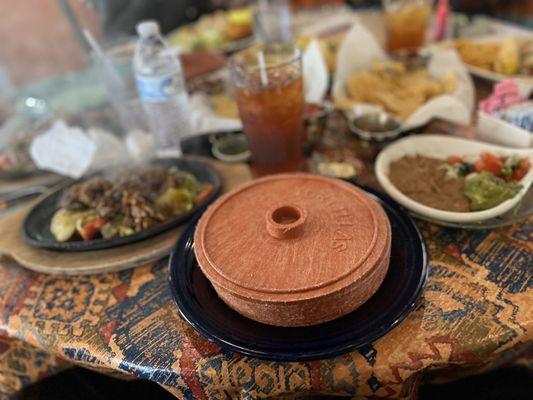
485, 191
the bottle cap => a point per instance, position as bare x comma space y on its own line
147, 28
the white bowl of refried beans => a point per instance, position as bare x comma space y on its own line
406, 170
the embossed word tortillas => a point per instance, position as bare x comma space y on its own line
294, 249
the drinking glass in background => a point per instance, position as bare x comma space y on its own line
117, 74
406, 23
305, 4
272, 21
268, 87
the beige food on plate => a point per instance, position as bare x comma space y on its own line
478, 54
214, 31
224, 105
396, 89
509, 56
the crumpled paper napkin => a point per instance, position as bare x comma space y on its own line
74, 152
71, 151
359, 49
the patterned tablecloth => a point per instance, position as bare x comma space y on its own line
475, 314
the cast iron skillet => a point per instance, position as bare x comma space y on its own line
36, 226
200, 306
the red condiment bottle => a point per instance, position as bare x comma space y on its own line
442, 15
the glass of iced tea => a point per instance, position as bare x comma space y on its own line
406, 22
268, 87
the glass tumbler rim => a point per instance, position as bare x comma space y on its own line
239, 64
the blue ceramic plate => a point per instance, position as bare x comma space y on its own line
199, 304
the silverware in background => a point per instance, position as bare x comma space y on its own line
10, 201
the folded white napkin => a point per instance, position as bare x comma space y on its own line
315, 73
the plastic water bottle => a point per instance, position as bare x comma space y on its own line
161, 87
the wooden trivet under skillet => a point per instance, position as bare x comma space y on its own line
109, 260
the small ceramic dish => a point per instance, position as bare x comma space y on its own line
374, 125
441, 146
231, 148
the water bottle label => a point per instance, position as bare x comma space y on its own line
160, 88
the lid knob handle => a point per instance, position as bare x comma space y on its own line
285, 222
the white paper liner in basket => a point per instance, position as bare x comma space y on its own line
359, 49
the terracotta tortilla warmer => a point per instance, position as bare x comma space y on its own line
294, 249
